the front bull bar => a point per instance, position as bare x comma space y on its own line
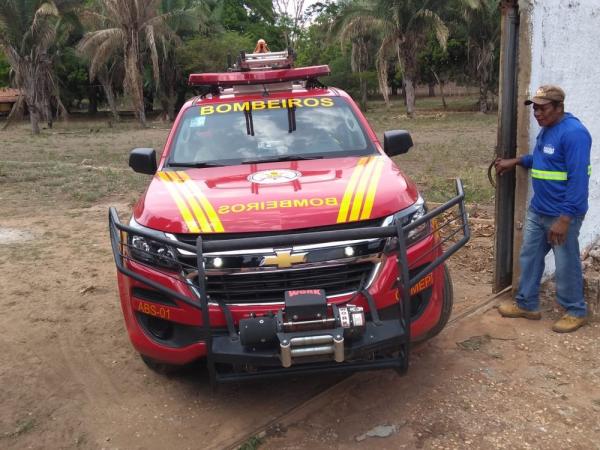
224, 349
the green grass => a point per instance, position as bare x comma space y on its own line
451, 143
76, 163
83, 162
251, 444
23, 426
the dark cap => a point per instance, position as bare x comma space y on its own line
546, 94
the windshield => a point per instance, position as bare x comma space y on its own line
268, 130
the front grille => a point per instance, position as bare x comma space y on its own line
263, 287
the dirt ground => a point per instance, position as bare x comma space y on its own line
485, 382
70, 378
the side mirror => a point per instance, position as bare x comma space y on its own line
396, 142
143, 160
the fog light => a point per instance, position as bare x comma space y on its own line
217, 262
349, 251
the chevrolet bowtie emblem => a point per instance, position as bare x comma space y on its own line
283, 259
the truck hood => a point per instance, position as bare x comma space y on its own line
274, 196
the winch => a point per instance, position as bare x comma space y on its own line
306, 329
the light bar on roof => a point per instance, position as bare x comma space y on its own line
258, 77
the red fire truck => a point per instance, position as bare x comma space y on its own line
277, 237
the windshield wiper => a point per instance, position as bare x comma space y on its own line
197, 164
281, 158
249, 121
291, 118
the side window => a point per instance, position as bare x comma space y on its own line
354, 134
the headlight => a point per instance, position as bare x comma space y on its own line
407, 216
151, 252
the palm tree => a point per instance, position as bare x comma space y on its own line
482, 21
28, 30
105, 64
133, 28
404, 26
362, 38
184, 16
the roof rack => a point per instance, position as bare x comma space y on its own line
260, 68
264, 61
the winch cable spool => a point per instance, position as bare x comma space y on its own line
306, 327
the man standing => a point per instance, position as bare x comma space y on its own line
560, 171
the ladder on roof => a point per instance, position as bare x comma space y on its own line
265, 61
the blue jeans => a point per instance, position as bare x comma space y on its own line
568, 275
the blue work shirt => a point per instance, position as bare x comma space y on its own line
560, 169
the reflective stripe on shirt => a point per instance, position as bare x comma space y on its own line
553, 175
548, 175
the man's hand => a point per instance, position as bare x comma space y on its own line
505, 165
558, 231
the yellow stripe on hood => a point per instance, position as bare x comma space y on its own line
183, 208
368, 207
213, 217
191, 200
345, 204
360, 191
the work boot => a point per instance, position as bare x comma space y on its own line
568, 323
513, 310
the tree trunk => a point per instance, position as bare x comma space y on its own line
148, 101
409, 62
403, 93
483, 94
28, 78
93, 101
48, 113
443, 95
133, 78
363, 93
180, 101
171, 100
441, 83
34, 118
104, 80
483, 72
410, 96
167, 94
431, 89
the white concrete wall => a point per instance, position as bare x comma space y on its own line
565, 40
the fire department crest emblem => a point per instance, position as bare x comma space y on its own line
275, 176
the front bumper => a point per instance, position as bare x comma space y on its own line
172, 321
